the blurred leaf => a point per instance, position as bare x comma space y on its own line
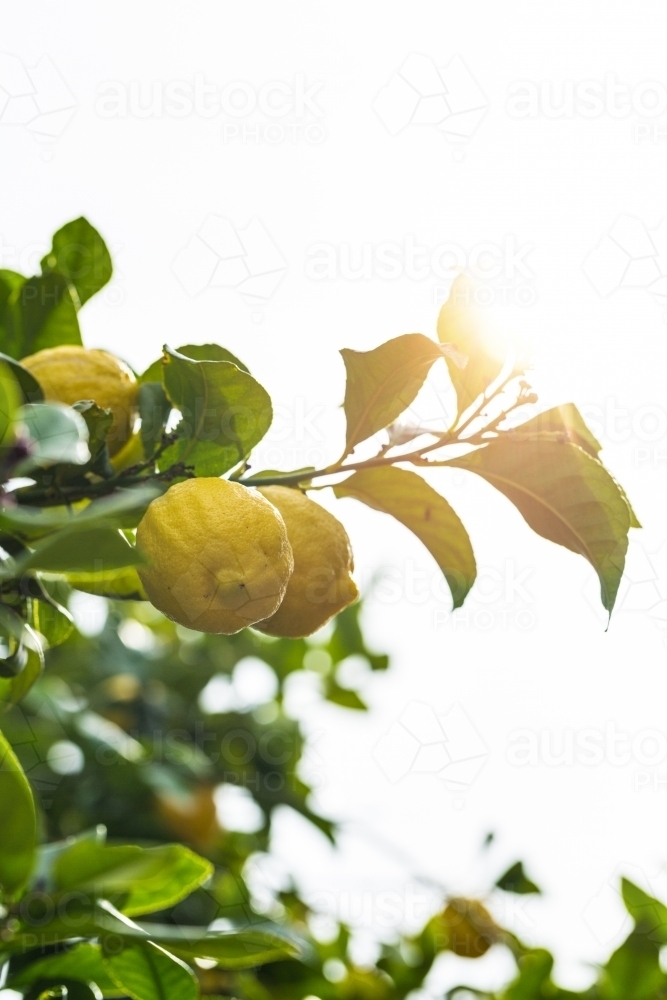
56, 434
154, 410
533, 981
344, 697
148, 972
565, 495
633, 972
28, 385
415, 504
225, 413
516, 880
9, 403
10, 285
80, 255
148, 879
40, 314
383, 382
18, 829
120, 584
81, 548
348, 639
647, 912
460, 326
51, 620
82, 962
13, 689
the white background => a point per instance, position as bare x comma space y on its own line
557, 185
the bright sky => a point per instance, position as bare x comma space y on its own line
290, 179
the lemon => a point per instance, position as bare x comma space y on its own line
219, 558
320, 585
69, 373
470, 928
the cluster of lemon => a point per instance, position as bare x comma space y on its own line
220, 556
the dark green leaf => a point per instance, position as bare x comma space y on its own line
18, 829
147, 972
80, 254
43, 314
415, 504
516, 880
154, 410
30, 388
474, 363
383, 382
225, 413
565, 495
83, 962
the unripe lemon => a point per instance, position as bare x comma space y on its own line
69, 373
219, 558
320, 585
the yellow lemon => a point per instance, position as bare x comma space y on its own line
219, 558
320, 585
68, 374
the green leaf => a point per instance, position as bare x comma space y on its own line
415, 504
225, 413
515, 880
83, 962
51, 620
13, 689
18, 829
565, 495
154, 410
344, 697
42, 313
120, 584
126, 507
647, 912
534, 974
148, 879
80, 255
211, 352
145, 971
28, 385
633, 972
474, 362
98, 422
383, 382
56, 434
10, 285
81, 548
9, 403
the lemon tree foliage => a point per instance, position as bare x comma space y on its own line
94, 456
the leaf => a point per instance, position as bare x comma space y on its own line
56, 434
119, 584
83, 962
81, 548
344, 697
145, 971
515, 880
148, 879
42, 313
225, 413
28, 385
211, 352
534, 974
80, 254
98, 422
415, 504
648, 913
154, 410
52, 621
9, 403
459, 325
383, 382
565, 495
633, 972
18, 829
13, 689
